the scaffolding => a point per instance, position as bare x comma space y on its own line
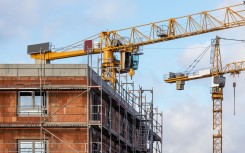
130, 123
92, 117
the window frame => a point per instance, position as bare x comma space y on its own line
44, 103
33, 142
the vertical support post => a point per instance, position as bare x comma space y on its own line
126, 111
152, 122
162, 132
119, 115
110, 123
101, 106
88, 103
40, 90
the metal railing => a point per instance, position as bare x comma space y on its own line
67, 114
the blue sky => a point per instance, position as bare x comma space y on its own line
187, 119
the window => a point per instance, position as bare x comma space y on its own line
32, 146
31, 103
135, 62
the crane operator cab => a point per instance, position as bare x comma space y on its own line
129, 62
218, 83
129, 59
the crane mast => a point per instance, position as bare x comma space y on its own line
217, 96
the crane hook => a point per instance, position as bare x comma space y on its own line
131, 73
234, 86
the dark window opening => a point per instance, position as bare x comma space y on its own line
95, 107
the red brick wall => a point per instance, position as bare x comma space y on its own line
8, 106
76, 138
75, 111
35, 81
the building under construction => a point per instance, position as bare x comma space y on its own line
69, 108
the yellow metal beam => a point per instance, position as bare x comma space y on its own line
230, 68
59, 55
174, 28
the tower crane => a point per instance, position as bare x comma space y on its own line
218, 83
128, 42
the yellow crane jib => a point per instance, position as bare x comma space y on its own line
231, 68
128, 41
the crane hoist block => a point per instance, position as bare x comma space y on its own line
180, 85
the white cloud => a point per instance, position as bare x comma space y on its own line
187, 128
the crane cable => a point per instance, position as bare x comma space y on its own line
232, 39
76, 44
196, 61
234, 82
234, 86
